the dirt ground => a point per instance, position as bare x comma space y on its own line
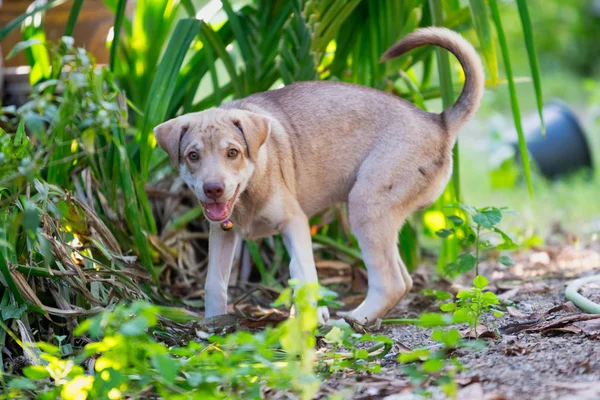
542, 348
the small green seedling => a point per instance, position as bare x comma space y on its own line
472, 304
482, 234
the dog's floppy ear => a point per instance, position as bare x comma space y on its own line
255, 128
168, 136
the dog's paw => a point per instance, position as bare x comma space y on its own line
362, 327
322, 315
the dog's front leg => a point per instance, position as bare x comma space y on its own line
221, 249
297, 240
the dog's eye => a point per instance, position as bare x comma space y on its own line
193, 156
232, 153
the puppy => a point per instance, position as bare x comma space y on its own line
270, 161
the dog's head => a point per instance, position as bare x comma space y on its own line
216, 152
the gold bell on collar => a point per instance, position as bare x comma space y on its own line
227, 225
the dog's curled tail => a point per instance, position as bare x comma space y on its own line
468, 102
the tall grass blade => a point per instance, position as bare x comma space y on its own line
189, 8
452, 193
409, 246
73, 16
486, 40
130, 200
447, 92
9, 279
163, 86
532, 55
212, 39
19, 20
114, 46
514, 99
265, 276
241, 34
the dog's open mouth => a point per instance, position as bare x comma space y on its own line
218, 212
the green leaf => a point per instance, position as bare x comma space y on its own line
362, 354
409, 246
21, 383
429, 320
466, 262
444, 233
498, 314
49, 348
137, 326
119, 16
163, 86
447, 92
465, 294
194, 378
489, 298
447, 307
514, 97
488, 218
508, 244
432, 366
22, 46
256, 255
486, 40
284, 299
532, 55
414, 355
456, 220
461, 315
480, 282
35, 372
17, 21
13, 311
334, 336
506, 260
452, 338
73, 16
166, 366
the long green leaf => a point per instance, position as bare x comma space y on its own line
484, 33
189, 8
17, 21
163, 86
212, 39
450, 247
532, 55
342, 248
409, 246
8, 278
132, 213
119, 16
241, 35
73, 16
266, 277
514, 98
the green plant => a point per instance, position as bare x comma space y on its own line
435, 366
470, 305
126, 359
483, 234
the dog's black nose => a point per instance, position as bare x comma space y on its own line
213, 190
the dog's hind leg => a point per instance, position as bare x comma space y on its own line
378, 204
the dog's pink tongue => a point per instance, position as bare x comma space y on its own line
216, 211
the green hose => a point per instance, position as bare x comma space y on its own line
572, 293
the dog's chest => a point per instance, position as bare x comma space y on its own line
258, 229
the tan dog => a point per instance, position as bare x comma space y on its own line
270, 161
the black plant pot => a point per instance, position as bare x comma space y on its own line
564, 149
